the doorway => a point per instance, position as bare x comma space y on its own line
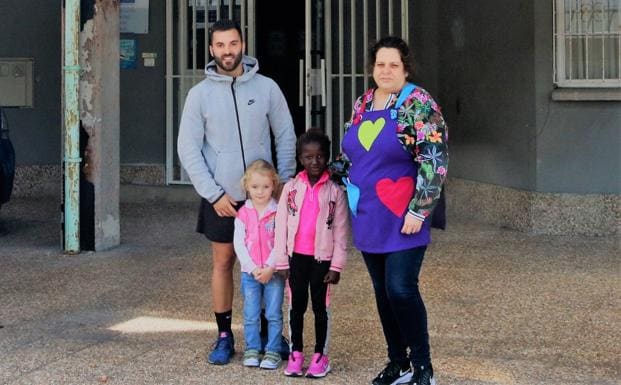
315, 50
279, 47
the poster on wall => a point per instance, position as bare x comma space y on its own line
128, 54
134, 16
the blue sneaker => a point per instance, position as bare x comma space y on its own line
223, 349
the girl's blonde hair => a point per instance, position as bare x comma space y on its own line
262, 167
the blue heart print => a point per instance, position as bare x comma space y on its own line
353, 195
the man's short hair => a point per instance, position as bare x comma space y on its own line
224, 25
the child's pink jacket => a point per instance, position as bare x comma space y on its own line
253, 239
332, 224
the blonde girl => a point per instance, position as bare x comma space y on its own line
253, 241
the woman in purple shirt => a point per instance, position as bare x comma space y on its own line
394, 163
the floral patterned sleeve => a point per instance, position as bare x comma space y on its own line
423, 132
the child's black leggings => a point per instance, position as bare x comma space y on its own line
305, 271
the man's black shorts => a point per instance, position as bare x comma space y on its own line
216, 228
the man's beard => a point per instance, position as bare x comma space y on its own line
228, 68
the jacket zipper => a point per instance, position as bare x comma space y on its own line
260, 239
241, 143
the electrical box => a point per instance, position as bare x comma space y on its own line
16, 81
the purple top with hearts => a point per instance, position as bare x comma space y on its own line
386, 175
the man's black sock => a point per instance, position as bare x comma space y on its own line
224, 321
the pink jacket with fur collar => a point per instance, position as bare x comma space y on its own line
332, 226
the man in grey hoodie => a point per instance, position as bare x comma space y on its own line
225, 126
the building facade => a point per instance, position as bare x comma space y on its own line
531, 92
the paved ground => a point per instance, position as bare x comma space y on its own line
504, 307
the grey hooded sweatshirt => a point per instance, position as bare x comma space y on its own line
219, 110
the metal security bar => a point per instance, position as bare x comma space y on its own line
357, 24
187, 52
587, 43
349, 26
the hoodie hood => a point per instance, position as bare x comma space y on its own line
250, 64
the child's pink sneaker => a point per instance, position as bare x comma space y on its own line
294, 366
319, 366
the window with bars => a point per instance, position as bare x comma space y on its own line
587, 43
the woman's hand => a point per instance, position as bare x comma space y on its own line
411, 225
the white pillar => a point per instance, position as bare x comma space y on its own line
99, 114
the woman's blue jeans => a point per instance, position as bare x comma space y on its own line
256, 293
399, 303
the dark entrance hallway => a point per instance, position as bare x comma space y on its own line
280, 46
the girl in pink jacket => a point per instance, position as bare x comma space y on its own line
253, 241
310, 248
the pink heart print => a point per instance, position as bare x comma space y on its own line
395, 195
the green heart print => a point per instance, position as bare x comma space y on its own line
368, 132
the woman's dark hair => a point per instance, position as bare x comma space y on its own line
314, 135
225, 25
407, 56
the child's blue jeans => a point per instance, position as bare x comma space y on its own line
254, 294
